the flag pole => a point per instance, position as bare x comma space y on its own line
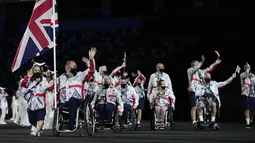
54, 54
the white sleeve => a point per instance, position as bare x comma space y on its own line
119, 101
136, 97
169, 84
150, 84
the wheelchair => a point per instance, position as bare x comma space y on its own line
84, 119
168, 122
131, 120
207, 100
115, 123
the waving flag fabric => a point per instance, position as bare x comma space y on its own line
38, 36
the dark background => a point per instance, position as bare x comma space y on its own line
173, 32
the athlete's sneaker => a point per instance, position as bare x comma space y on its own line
3, 123
195, 125
248, 126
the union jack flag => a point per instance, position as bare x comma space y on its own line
38, 37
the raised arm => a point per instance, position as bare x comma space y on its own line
140, 76
212, 66
226, 82
115, 71
91, 65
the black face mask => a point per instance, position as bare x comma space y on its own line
91, 80
37, 75
123, 85
161, 70
74, 71
106, 86
139, 84
163, 87
105, 72
207, 80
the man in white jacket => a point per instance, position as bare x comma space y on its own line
195, 77
158, 75
211, 87
248, 93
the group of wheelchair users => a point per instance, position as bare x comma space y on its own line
90, 99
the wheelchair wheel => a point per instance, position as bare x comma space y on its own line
56, 122
116, 127
132, 120
152, 121
216, 126
170, 119
89, 119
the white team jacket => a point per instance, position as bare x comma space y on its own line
73, 86
129, 95
3, 101
153, 82
91, 88
247, 81
214, 87
110, 95
196, 76
35, 94
162, 99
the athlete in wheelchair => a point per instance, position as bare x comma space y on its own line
162, 102
108, 106
73, 110
208, 104
131, 101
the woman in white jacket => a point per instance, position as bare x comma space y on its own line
160, 99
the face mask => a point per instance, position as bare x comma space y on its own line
123, 85
207, 80
163, 87
37, 75
161, 70
106, 86
139, 84
105, 72
74, 71
91, 80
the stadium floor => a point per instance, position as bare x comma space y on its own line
228, 133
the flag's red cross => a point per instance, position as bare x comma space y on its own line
34, 28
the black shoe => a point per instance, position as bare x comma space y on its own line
195, 125
248, 126
138, 125
212, 124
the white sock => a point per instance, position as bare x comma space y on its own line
247, 121
201, 119
138, 122
194, 122
213, 119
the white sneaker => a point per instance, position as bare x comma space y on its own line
12, 119
33, 134
2, 123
